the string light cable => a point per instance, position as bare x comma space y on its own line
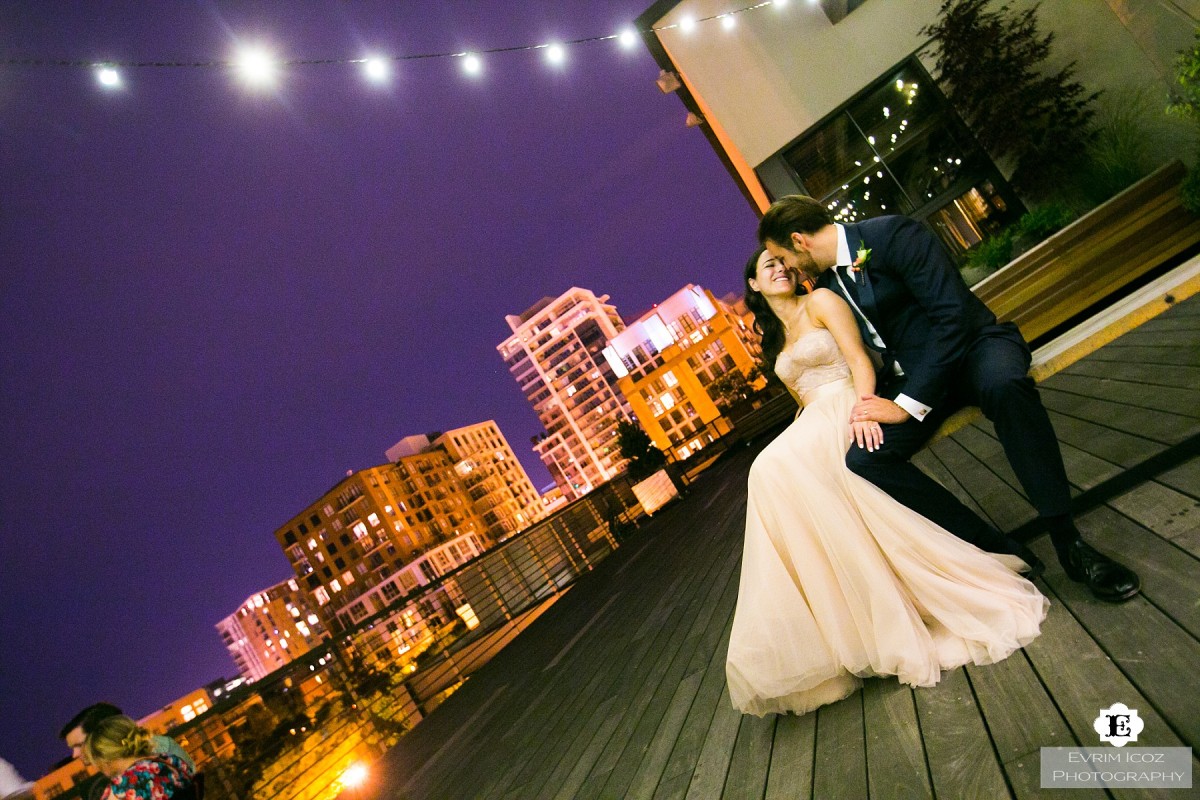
258, 65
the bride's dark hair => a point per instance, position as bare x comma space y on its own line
768, 326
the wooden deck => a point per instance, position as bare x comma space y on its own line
619, 689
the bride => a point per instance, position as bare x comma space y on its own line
839, 581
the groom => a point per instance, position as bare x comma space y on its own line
941, 349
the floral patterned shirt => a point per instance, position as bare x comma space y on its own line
154, 778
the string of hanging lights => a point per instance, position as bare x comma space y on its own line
258, 66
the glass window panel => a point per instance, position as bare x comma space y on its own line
834, 153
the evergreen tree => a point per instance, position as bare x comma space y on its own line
644, 458
991, 64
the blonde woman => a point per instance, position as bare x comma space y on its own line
124, 751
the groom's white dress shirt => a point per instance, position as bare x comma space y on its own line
915, 408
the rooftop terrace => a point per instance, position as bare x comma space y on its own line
618, 689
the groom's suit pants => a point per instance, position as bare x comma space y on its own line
994, 376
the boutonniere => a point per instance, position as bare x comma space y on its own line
860, 262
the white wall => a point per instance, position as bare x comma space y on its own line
782, 69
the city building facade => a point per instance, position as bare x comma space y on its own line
668, 361
500, 489
375, 522
270, 629
554, 354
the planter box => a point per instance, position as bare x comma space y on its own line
656, 491
1095, 257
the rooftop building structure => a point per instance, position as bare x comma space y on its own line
270, 629
555, 356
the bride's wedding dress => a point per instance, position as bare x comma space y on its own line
840, 581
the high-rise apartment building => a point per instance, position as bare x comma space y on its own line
372, 524
555, 356
499, 487
667, 360
270, 629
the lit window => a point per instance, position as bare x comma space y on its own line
668, 400
347, 578
312, 544
303, 629
670, 378
360, 530
187, 713
321, 595
312, 619
335, 585
373, 518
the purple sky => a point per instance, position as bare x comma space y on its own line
215, 301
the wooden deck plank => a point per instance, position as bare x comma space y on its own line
1021, 718
712, 767
962, 758
713, 622
1135, 395
619, 761
1136, 371
649, 770
1170, 576
1083, 680
1103, 441
1160, 508
584, 763
1006, 507
1158, 355
791, 775
573, 716
751, 761
1158, 426
1184, 479
841, 760
677, 774
1157, 656
896, 763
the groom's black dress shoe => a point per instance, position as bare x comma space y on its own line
1107, 579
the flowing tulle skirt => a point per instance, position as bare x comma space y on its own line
839, 581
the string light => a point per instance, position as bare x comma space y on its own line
376, 69
258, 68
108, 77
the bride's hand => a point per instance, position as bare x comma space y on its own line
867, 434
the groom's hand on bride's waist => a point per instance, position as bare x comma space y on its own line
873, 408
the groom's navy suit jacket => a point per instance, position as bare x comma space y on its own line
917, 301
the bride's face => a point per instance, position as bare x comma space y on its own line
772, 278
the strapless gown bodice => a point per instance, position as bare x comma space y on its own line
810, 362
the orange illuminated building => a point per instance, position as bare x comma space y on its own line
373, 523
668, 359
270, 629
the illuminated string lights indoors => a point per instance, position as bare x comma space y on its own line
259, 69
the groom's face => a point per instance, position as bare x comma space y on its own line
793, 255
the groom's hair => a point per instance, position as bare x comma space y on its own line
795, 213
